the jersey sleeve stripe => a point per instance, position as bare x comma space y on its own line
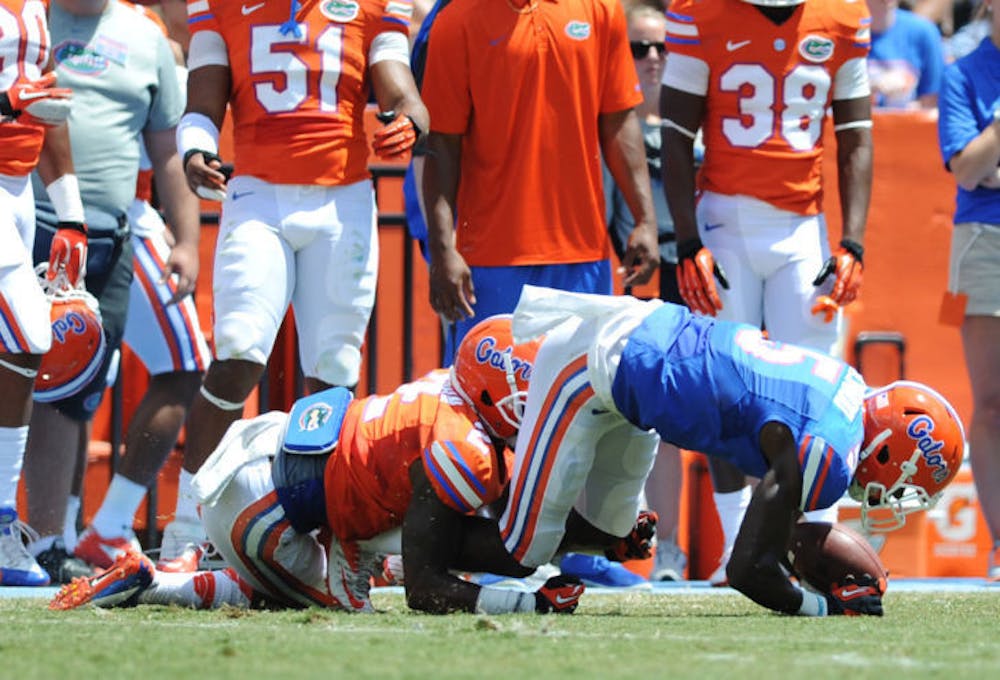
12, 340
203, 17
396, 20
454, 476
815, 459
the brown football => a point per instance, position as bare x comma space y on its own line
824, 554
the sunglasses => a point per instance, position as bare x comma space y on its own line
640, 48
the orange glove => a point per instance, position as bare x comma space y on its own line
68, 253
36, 102
695, 269
827, 307
846, 263
396, 138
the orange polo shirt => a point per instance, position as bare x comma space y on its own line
525, 89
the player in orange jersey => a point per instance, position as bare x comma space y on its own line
298, 220
33, 133
301, 505
758, 77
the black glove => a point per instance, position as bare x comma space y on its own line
638, 545
560, 595
855, 596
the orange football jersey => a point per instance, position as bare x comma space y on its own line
367, 480
299, 88
24, 52
769, 87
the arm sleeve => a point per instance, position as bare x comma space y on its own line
463, 476
957, 124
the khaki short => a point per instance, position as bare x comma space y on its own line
974, 266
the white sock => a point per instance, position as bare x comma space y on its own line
731, 507
187, 504
200, 590
117, 513
12, 443
69, 523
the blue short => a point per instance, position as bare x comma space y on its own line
499, 288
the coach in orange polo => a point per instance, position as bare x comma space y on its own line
525, 96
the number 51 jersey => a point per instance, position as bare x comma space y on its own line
768, 88
299, 82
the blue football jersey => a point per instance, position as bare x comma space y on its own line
710, 386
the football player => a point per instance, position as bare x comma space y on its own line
758, 77
612, 373
298, 219
301, 504
33, 133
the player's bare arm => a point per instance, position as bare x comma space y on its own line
684, 111
208, 92
432, 543
851, 119
625, 154
181, 208
755, 566
451, 291
407, 119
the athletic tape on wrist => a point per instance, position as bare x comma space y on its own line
502, 601
220, 403
65, 196
813, 604
197, 131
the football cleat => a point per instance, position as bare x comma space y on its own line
598, 570
182, 548
60, 565
102, 551
131, 573
669, 562
17, 566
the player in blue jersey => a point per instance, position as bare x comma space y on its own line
614, 372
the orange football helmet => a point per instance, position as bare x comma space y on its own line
78, 346
491, 373
913, 446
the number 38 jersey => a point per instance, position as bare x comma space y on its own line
768, 88
299, 85
24, 52
366, 479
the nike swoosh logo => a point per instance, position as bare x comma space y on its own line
848, 593
710, 227
237, 195
497, 41
250, 9
732, 46
32, 95
566, 600
599, 411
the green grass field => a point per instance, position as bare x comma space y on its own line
946, 635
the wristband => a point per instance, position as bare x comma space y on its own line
813, 604
196, 131
854, 248
689, 248
503, 601
65, 196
